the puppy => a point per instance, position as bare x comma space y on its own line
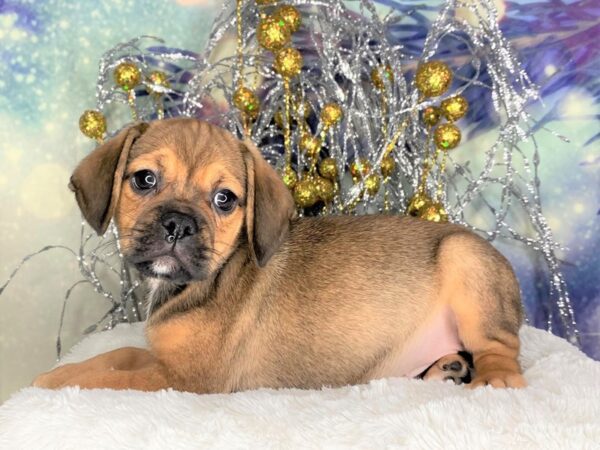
244, 295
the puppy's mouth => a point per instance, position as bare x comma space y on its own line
167, 267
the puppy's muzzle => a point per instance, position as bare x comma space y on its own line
173, 246
178, 226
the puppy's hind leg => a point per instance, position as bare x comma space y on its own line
481, 289
455, 367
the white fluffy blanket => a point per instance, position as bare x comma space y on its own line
560, 409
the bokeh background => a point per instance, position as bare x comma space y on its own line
49, 51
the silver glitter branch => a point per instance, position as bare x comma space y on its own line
100, 263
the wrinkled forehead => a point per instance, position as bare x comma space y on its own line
189, 145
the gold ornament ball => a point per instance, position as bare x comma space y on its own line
359, 169
305, 193
92, 124
291, 16
376, 79
388, 164
419, 203
325, 189
331, 114
288, 62
446, 136
328, 168
455, 107
127, 75
311, 145
246, 101
289, 177
265, 2
431, 115
372, 183
157, 78
434, 212
433, 78
273, 33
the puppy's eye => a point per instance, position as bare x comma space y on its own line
225, 200
143, 180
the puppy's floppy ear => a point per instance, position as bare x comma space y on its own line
97, 179
269, 205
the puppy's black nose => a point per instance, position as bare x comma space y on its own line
178, 226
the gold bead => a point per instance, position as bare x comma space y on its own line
306, 109
331, 114
328, 168
325, 189
265, 2
431, 115
288, 62
372, 183
246, 101
305, 193
455, 107
278, 116
273, 33
310, 144
92, 124
418, 204
434, 212
291, 17
359, 169
376, 76
157, 78
388, 164
127, 75
433, 78
446, 136
289, 177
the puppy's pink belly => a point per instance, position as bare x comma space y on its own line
436, 338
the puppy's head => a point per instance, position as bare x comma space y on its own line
184, 195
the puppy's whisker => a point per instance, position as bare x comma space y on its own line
114, 241
107, 245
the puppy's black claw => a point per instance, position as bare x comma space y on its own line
455, 366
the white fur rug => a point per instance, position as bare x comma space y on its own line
559, 410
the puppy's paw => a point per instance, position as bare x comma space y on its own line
450, 367
499, 379
55, 379
45, 380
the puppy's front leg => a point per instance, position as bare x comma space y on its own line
124, 368
150, 378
